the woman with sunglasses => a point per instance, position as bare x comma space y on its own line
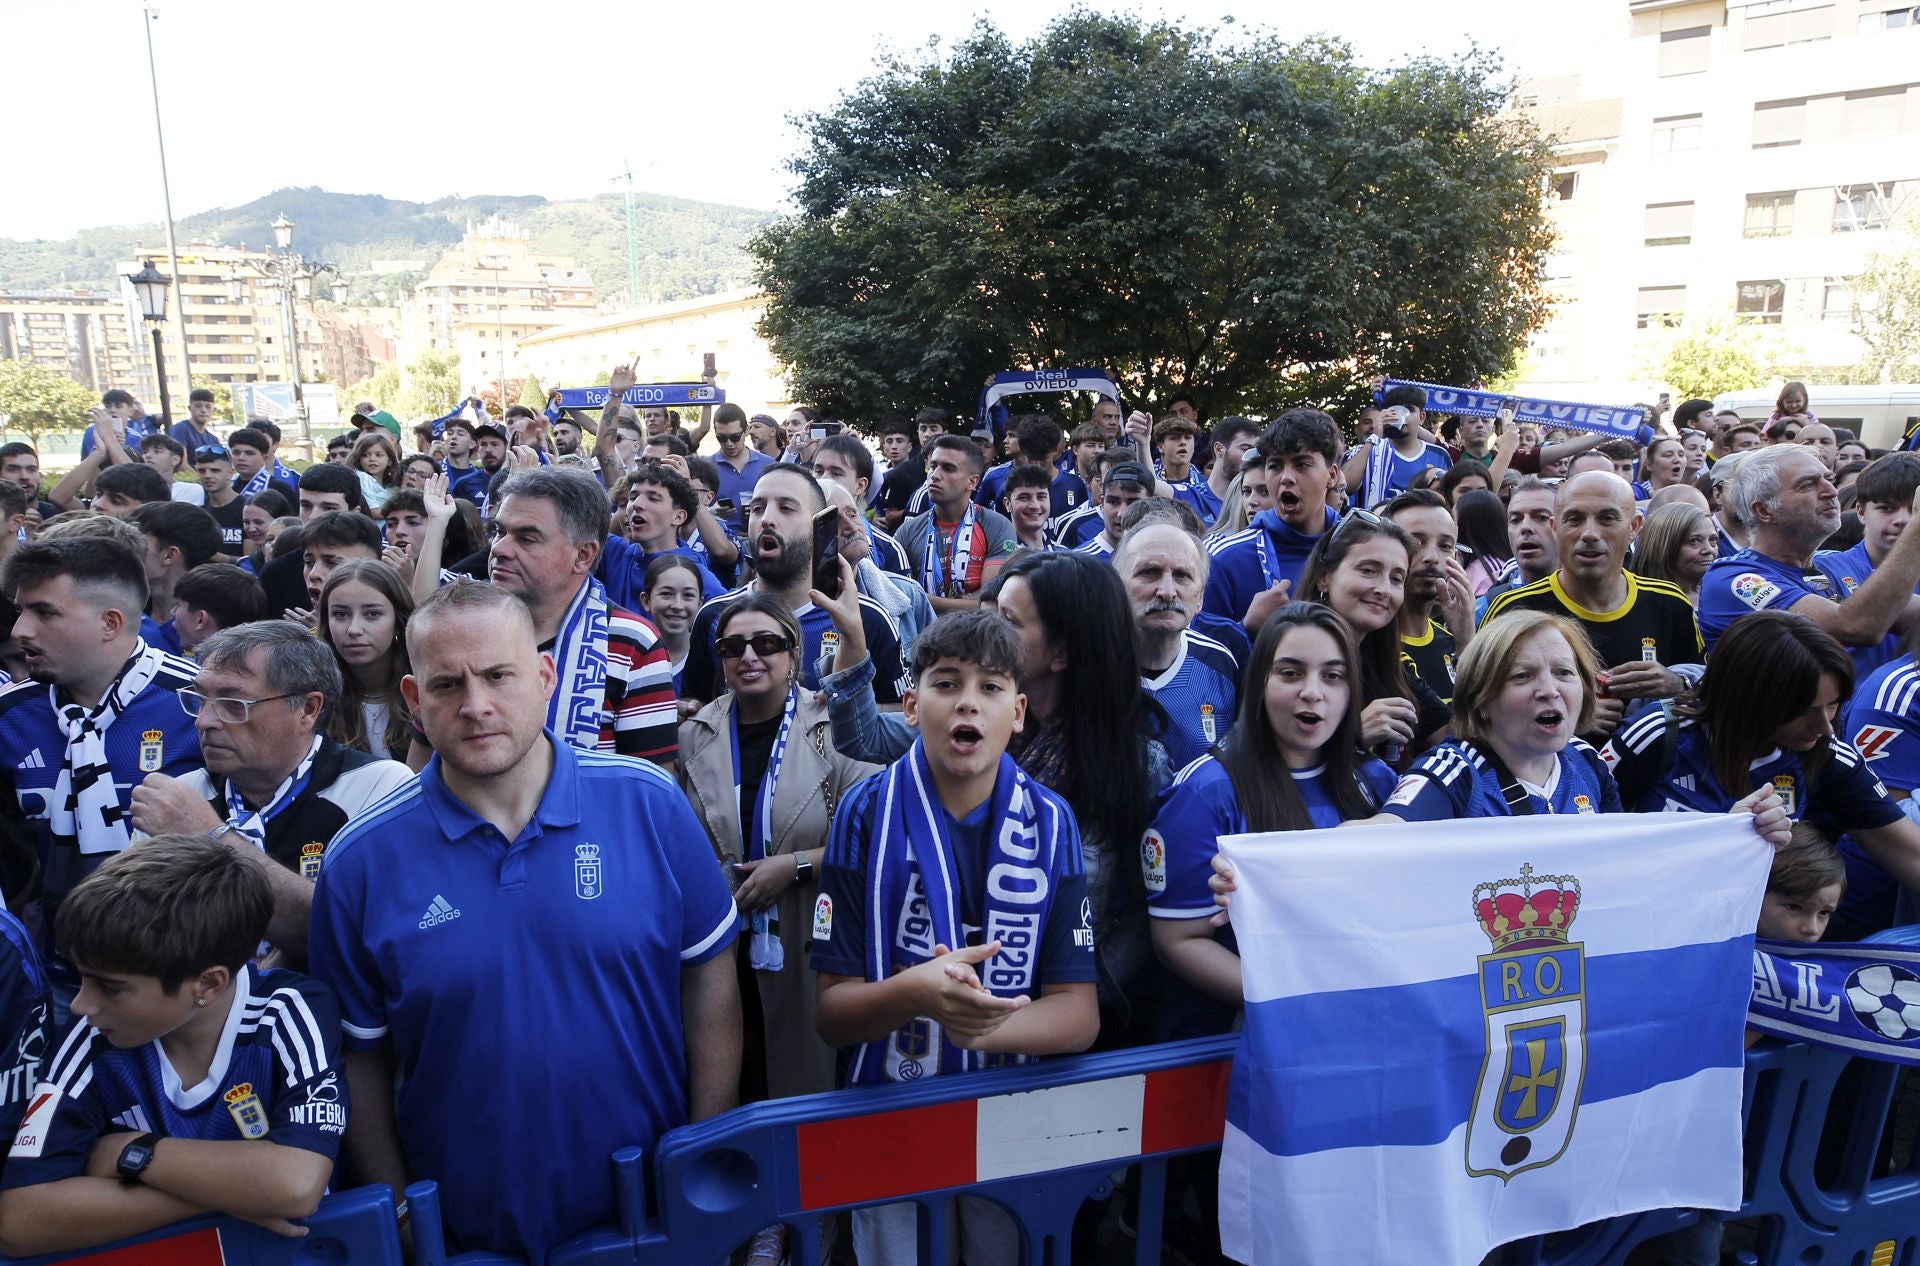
765, 781
1360, 570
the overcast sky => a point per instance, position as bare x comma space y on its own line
423, 98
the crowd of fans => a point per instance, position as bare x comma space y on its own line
552, 785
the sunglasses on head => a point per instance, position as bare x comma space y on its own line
211, 453
734, 645
1353, 513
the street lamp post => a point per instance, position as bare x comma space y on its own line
150, 285
292, 277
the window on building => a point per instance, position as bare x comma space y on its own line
1562, 185
1760, 301
1769, 214
1810, 25
1875, 113
1676, 134
1836, 303
1669, 223
1889, 20
1857, 208
1659, 305
1683, 52
1777, 124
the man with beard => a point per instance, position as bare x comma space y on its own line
99, 714
1251, 572
780, 546
538, 917
1194, 678
1436, 584
959, 545
1530, 533
1785, 499
1233, 439
615, 691
566, 437
1639, 626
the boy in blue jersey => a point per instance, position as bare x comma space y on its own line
529, 941
1884, 498
1195, 679
952, 931
189, 1080
1384, 466
1784, 496
1250, 573
659, 504
1177, 439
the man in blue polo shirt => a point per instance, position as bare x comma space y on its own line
1250, 573
739, 464
530, 941
1789, 504
99, 715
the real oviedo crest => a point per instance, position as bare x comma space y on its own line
1532, 991
587, 881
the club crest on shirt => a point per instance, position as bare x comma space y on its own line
1784, 788
1581, 804
311, 855
153, 751
587, 880
1533, 993
1206, 721
1755, 590
1649, 651
1153, 861
823, 918
247, 1111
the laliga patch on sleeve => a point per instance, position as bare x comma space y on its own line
1755, 590
823, 918
1874, 740
1609, 757
34, 1127
1405, 790
1153, 861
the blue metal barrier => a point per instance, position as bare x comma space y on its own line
1043, 1139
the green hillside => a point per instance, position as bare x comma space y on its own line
687, 248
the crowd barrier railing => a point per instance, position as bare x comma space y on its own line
1040, 1140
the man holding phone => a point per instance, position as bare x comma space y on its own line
739, 464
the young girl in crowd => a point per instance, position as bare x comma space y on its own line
1360, 570
671, 595
376, 459
1677, 544
257, 527
1791, 402
1292, 761
363, 614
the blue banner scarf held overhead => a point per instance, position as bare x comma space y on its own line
1862, 999
645, 396
1624, 422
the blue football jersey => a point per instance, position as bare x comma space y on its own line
276, 1075
1077, 527
1847, 570
25, 1012
1751, 581
1247, 563
1456, 780
1883, 723
1388, 474
1198, 692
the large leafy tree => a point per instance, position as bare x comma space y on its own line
36, 400
1258, 223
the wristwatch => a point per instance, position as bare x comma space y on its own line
135, 1157
802, 869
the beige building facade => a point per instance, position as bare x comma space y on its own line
91, 336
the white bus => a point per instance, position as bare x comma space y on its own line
1879, 416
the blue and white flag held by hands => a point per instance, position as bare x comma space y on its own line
1622, 422
1463, 1033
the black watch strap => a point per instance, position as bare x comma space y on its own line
136, 1156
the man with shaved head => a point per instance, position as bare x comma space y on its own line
1641, 627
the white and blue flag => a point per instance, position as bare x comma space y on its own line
1463, 1033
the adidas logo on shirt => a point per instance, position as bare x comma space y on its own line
33, 761
438, 912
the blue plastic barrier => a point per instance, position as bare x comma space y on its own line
1043, 1139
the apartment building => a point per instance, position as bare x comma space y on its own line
487, 294
91, 336
1724, 158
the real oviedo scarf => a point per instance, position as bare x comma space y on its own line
914, 902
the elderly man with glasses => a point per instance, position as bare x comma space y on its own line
273, 788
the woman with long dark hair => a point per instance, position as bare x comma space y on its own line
1482, 520
1091, 736
363, 611
1360, 570
1291, 762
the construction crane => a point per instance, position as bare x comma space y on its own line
633, 239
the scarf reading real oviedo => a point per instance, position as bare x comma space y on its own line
1623, 422
914, 902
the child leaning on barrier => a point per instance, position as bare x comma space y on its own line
952, 930
189, 1080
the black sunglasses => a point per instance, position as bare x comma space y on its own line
1353, 513
765, 645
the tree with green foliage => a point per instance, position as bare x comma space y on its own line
1886, 310
1258, 224
222, 398
382, 387
1703, 357
37, 400
532, 394
432, 385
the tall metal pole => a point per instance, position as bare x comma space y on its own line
166, 195
160, 371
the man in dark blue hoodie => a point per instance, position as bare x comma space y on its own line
1251, 572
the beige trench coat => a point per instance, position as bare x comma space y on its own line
813, 783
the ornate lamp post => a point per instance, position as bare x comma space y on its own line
150, 285
292, 276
